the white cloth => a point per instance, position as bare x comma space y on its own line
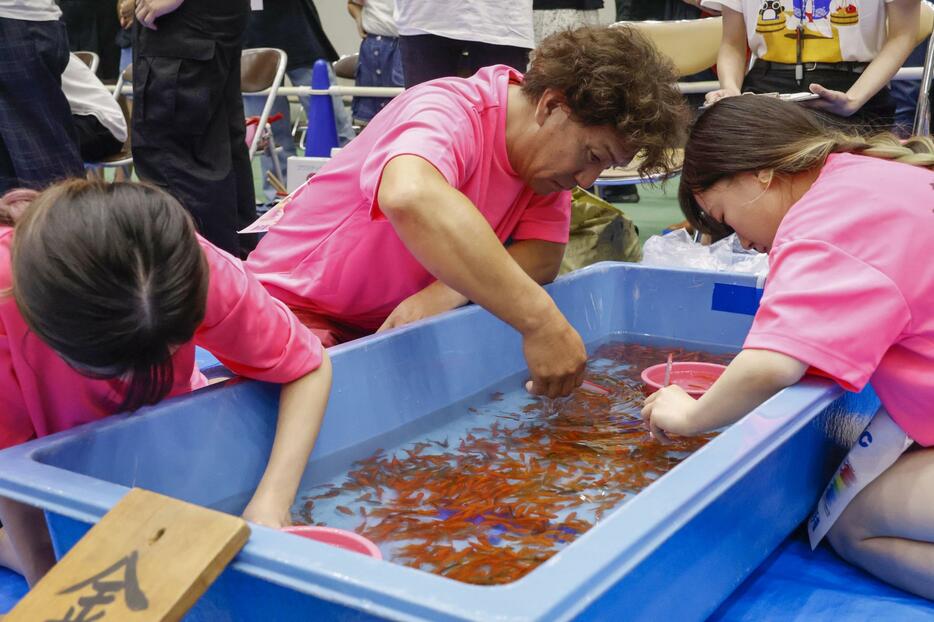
30, 10
378, 19
876, 449
87, 95
500, 22
834, 31
548, 22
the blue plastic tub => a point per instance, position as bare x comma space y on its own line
673, 552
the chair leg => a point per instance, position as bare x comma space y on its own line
274, 155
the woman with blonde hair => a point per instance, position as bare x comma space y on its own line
848, 225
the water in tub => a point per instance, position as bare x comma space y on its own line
494, 492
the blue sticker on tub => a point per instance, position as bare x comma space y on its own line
735, 298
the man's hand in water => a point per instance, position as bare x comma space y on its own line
556, 357
147, 11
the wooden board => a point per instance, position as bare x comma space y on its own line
150, 558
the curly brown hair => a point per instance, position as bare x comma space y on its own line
615, 76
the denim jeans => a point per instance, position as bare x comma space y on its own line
905, 93
379, 64
282, 129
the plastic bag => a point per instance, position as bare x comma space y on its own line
677, 249
599, 232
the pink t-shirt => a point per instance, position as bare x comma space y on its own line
851, 285
334, 253
253, 334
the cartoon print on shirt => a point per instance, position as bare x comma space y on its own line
821, 23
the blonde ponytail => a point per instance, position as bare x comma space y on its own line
754, 133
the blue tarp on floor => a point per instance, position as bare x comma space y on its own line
797, 584
793, 584
12, 588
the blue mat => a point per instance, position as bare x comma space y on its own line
797, 584
793, 584
12, 588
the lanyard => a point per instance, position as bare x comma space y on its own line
799, 49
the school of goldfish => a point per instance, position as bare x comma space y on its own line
490, 507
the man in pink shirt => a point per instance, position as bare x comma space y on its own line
411, 218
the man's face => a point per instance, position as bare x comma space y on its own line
565, 153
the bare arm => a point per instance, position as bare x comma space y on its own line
753, 377
451, 239
540, 260
29, 538
301, 410
731, 59
904, 21
355, 9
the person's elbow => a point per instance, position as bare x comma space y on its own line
774, 370
548, 271
402, 192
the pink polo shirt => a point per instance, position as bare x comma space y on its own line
244, 327
334, 253
851, 285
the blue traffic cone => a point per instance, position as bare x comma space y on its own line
321, 136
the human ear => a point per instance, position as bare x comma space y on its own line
765, 176
550, 101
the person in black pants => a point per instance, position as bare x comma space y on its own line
188, 131
93, 26
38, 143
441, 39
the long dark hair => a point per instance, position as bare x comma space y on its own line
111, 277
755, 132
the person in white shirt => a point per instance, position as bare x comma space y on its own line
100, 123
38, 144
380, 60
448, 38
845, 51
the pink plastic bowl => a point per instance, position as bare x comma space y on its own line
695, 378
342, 539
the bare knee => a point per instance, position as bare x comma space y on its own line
847, 536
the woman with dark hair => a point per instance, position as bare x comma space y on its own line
106, 290
411, 218
846, 221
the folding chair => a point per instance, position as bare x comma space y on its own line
922, 122
124, 159
91, 59
346, 66
691, 44
263, 69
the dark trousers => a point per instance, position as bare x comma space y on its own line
38, 144
426, 57
95, 141
188, 126
93, 26
638, 10
877, 114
